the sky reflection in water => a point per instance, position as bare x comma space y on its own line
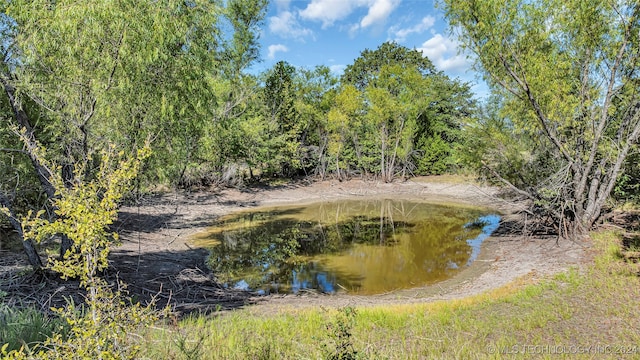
364, 247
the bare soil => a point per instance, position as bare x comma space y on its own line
157, 260
156, 251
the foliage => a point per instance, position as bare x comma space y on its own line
240, 49
187, 350
410, 115
340, 344
449, 106
118, 72
78, 76
84, 213
106, 333
26, 327
110, 77
370, 62
565, 75
389, 111
279, 95
627, 187
493, 142
103, 332
102, 327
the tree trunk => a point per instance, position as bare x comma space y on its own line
43, 173
27, 244
68, 177
21, 117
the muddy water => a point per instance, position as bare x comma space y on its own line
363, 247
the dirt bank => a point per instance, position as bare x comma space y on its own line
156, 256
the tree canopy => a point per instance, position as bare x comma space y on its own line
566, 76
418, 112
79, 77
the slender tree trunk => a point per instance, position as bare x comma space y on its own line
338, 165
43, 173
27, 245
68, 177
21, 117
321, 169
383, 143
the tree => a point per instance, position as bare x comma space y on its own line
241, 49
395, 104
295, 107
315, 95
230, 101
344, 122
279, 99
411, 114
368, 64
449, 105
77, 76
102, 327
296, 102
567, 75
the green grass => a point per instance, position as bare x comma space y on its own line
597, 306
26, 326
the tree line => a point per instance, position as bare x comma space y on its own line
80, 79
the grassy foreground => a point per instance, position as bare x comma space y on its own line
591, 313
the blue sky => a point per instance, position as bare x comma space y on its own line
306, 33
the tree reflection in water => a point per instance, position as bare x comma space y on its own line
362, 247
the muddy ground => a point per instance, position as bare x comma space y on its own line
156, 258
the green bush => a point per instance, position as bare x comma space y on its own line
339, 345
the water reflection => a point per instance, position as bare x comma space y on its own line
362, 247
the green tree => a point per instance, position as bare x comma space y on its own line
79, 75
315, 91
279, 99
394, 99
241, 47
231, 102
295, 106
102, 327
410, 116
430, 109
565, 71
448, 106
367, 66
343, 123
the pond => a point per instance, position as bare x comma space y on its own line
358, 247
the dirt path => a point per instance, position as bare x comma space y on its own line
156, 257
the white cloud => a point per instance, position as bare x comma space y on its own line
286, 25
379, 12
353, 30
337, 69
330, 11
400, 35
273, 49
443, 52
